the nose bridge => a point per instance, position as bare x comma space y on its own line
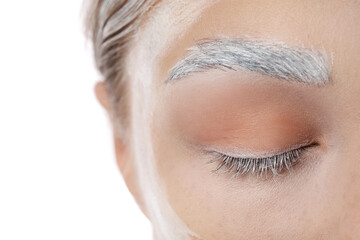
356, 200
355, 180
350, 220
348, 174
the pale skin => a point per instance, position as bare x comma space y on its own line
319, 198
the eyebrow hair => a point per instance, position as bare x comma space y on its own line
274, 59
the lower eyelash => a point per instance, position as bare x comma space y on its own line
274, 164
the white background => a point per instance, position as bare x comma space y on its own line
58, 175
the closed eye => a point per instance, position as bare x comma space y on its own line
258, 166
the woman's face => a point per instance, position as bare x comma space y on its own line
241, 112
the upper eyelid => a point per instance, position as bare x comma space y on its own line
265, 157
261, 155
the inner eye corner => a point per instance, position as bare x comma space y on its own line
312, 144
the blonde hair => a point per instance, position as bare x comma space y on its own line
110, 25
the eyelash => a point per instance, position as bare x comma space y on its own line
242, 166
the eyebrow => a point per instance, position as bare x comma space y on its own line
274, 59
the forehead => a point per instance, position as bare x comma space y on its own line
175, 26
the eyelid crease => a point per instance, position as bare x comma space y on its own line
262, 154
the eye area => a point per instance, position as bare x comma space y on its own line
259, 166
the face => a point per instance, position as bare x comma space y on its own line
200, 118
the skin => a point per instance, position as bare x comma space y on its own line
319, 198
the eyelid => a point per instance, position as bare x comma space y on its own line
259, 154
275, 163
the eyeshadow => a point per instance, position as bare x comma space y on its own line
257, 114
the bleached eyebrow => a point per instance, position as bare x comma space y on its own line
273, 59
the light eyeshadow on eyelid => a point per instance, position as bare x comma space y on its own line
242, 117
249, 153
